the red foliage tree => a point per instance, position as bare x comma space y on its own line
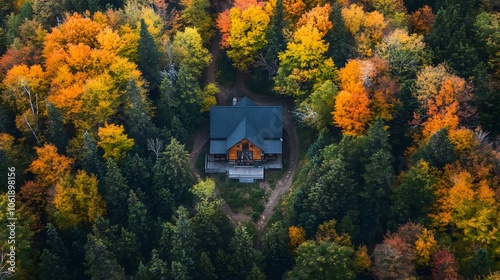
444, 266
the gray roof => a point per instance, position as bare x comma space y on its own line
261, 125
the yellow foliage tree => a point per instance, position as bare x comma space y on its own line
425, 246
78, 201
247, 35
303, 65
49, 166
114, 141
367, 28
319, 18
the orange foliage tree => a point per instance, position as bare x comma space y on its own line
352, 104
422, 20
297, 236
443, 99
49, 167
88, 66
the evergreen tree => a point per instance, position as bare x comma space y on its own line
244, 257
91, 161
139, 221
128, 251
207, 270
414, 195
438, 151
452, 37
148, 57
139, 123
115, 190
137, 172
55, 132
53, 261
101, 263
256, 274
275, 38
182, 250
156, 269
277, 256
341, 42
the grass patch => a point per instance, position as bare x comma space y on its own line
242, 197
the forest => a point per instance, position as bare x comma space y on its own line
396, 105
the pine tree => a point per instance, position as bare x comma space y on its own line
139, 122
53, 261
56, 133
115, 192
91, 161
244, 256
275, 38
155, 269
341, 42
275, 249
148, 57
207, 270
139, 221
100, 261
183, 245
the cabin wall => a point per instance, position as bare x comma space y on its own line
233, 152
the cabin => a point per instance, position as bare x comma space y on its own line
245, 139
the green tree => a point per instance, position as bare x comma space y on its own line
207, 270
341, 42
275, 38
55, 132
414, 194
195, 13
90, 159
188, 50
156, 268
99, 259
182, 252
139, 221
316, 110
137, 111
438, 151
325, 260
378, 180
452, 37
128, 251
115, 190
244, 257
256, 274
53, 261
177, 169
277, 256
148, 57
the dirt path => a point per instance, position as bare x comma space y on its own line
239, 89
